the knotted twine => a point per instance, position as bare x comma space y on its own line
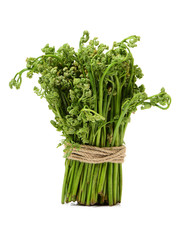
93, 154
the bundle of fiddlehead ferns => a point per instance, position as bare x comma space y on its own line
92, 93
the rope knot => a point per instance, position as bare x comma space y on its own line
93, 154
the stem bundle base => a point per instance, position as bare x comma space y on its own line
92, 184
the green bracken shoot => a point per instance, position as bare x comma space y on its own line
92, 92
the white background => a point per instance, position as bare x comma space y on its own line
156, 184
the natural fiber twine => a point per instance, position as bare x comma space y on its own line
92, 154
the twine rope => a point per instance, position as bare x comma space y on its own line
93, 154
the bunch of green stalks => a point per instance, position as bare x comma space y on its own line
92, 92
